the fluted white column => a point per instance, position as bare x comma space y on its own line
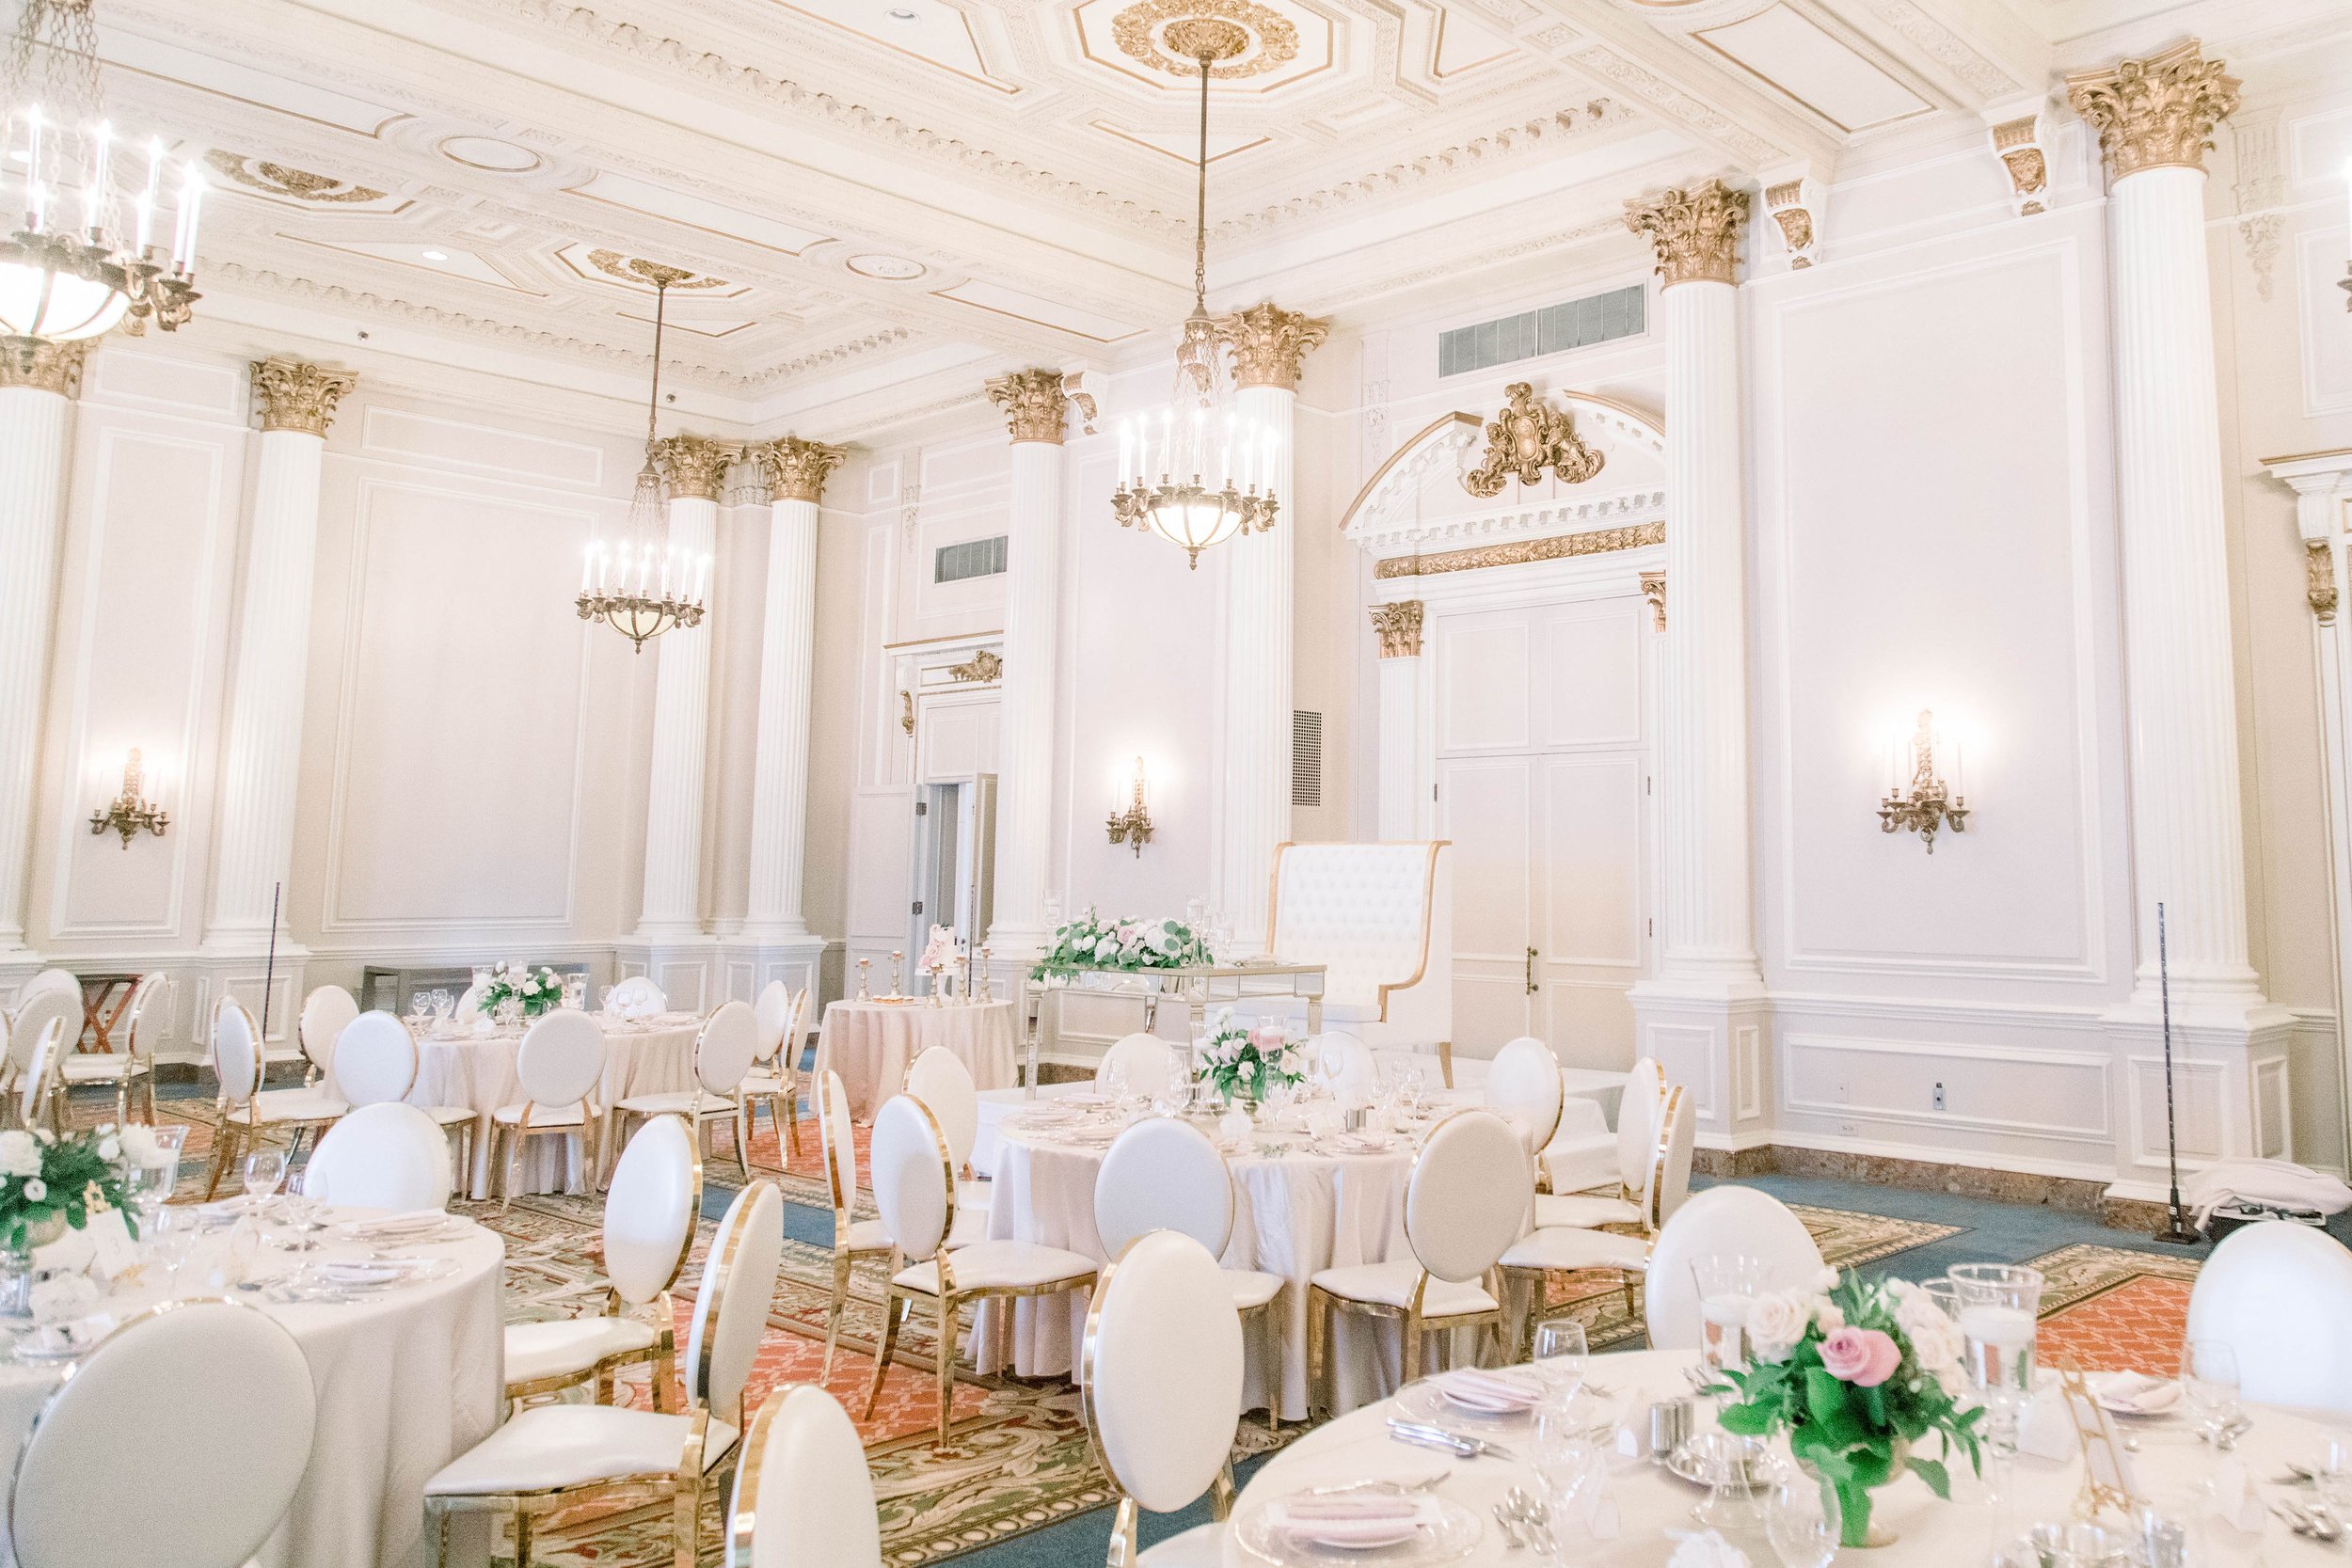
681, 707
261, 756
1035, 408
796, 473
1402, 791
36, 417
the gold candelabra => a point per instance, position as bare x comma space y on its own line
1132, 825
1926, 803
132, 813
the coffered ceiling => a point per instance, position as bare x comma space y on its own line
879, 195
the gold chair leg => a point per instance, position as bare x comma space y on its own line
685, 1520
522, 1538
889, 1344
224, 1142
1318, 1309
1122, 1551
664, 1376
1272, 1325
946, 1359
1411, 1349
832, 1316
744, 1140
791, 1117
437, 1531
1625, 1283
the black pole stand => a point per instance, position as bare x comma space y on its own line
2176, 1229
269, 971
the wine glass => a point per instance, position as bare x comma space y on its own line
2331, 1465
265, 1169
1559, 1351
1567, 1465
1802, 1520
170, 1238
2209, 1385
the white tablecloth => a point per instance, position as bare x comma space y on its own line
996, 1104
870, 1043
1295, 1215
1929, 1533
653, 1057
406, 1381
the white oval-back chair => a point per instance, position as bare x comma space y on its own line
187, 1377
1637, 1148
723, 1056
914, 1188
775, 1078
376, 1061
1147, 1062
383, 1156
649, 1218
1166, 1174
1162, 1373
36, 1089
851, 1236
247, 1112
1722, 1222
133, 1061
2279, 1295
1463, 1203
39, 1016
325, 1013
1523, 1086
803, 1497
560, 1062
50, 980
560, 1457
940, 1080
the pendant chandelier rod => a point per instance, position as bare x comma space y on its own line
653, 397
1200, 201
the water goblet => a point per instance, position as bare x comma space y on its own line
1728, 1284
2330, 1467
2209, 1386
1568, 1467
265, 1169
169, 1240
1560, 1352
1802, 1520
1945, 1294
1998, 1306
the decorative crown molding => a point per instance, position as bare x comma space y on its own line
1034, 403
693, 464
297, 395
283, 180
1524, 438
1398, 628
1696, 233
54, 368
2157, 113
1270, 343
796, 470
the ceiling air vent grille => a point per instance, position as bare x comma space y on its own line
1305, 758
974, 558
1554, 330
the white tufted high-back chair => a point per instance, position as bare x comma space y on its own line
1722, 1221
171, 1381
1379, 918
2279, 1295
1162, 1375
803, 1497
384, 1156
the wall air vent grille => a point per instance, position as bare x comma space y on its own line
974, 558
1554, 330
1305, 758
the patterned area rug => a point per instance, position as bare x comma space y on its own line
2115, 1310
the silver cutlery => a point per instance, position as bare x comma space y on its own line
1443, 1445
1468, 1447
1534, 1516
1511, 1536
1374, 1483
2309, 1523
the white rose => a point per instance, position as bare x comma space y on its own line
19, 1155
1824, 1282
34, 1189
138, 1143
110, 1150
1934, 1342
45, 1135
1828, 1315
1776, 1322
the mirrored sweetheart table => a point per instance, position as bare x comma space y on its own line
408, 1377
2170, 1465
476, 1070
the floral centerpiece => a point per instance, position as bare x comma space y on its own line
534, 990
48, 1183
1090, 942
1857, 1374
1246, 1064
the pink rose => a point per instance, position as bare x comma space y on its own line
1861, 1356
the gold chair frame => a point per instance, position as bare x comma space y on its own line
661, 1354
682, 1488
784, 1105
950, 1298
1670, 1106
844, 1254
1320, 1303
702, 1121
231, 1133
1123, 1550
141, 1064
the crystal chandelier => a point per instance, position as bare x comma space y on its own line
644, 588
1209, 461
84, 254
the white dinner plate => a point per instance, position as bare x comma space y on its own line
1448, 1533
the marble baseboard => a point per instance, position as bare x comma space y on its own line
2071, 1194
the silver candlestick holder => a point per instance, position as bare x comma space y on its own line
896, 956
983, 995
863, 966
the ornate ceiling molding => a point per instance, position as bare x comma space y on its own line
648, 274
1518, 553
280, 180
1675, 104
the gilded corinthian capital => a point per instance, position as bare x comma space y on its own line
46, 367
1696, 233
296, 395
693, 464
1269, 344
2155, 113
1034, 403
796, 470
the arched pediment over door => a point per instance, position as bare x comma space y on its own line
1417, 519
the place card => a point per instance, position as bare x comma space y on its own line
114, 1253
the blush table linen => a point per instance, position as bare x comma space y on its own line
655, 1056
870, 1043
406, 1381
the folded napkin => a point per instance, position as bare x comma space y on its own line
1704, 1549
2138, 1394
1354, 1519
1495, 1392
2046, 1427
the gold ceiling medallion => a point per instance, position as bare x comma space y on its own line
981, 666
298, 184
1525, 438
636, 269
1238, 37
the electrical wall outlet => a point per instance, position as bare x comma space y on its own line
1939, 1096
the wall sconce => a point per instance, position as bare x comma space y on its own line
1918, 799
131, 812
1132, 824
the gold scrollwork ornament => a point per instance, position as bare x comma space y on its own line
1525, 437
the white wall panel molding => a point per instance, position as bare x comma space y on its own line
432, 441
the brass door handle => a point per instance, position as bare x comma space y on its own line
1530, 972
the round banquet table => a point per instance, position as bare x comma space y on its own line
1929, 1533
653, 1056
406, 1381
870, 1043
1296, 1212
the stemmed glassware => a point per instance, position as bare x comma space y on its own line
1569, 1467
1999, 1306
1728, 1284
2209, 1386
1802, 1520
149, 1186
265, 1169
1560, 1352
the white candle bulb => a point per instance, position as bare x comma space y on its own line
94, 194
191, 204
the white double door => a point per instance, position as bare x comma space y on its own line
1542, 723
